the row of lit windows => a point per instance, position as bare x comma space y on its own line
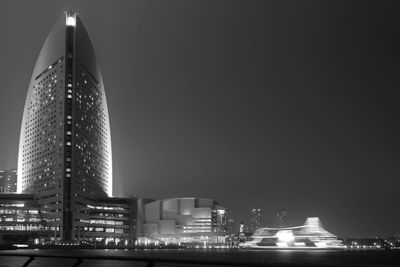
13, 211
21, 227
109, 222
117, 215
19, 219
106, 230
104, 207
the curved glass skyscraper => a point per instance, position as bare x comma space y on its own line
65, 144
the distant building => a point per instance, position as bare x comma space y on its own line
281, 218
255, 219
185, 220
8, 181
241, 228
231, 226
396, 236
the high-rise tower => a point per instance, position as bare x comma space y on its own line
65, 143
281, 218
255, 219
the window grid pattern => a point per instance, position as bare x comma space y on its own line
90, 150
43, 133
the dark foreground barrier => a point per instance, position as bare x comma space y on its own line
75, 257
150, 261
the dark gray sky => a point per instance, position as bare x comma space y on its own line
270, 104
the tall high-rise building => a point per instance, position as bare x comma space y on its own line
281, 218
231, 226
65, 144
255, 219
8, 181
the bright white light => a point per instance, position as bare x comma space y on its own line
285, 236
321, 244
282, 244
21, 245
71, 21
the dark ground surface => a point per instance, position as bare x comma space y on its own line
229, 257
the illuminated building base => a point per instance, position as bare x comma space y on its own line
311, 235
109, 221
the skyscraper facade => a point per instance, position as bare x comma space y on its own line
281, 218
65, 144
255, 219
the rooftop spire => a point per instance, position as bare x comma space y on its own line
70, 18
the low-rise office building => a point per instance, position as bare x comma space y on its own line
21, 218
8, 181
108, 220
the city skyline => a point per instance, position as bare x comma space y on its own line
253, 110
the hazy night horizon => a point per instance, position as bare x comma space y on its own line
256, 104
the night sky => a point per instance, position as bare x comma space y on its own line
257, 104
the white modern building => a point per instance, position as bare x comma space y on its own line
184, 220
310, 235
